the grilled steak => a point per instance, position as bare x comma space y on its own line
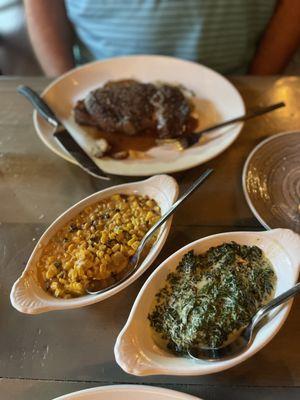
172, 111
82, 117
131, 107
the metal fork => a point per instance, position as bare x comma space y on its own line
190, 139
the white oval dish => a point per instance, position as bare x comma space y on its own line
219, 100
127, 392
135, 349
28, 296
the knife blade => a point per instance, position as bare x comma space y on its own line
62, 135
86, 163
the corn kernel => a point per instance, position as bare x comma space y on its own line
52, 271
115, 247
135, 245
100, 253
131, 241
104, 238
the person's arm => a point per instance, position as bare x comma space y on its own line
280, 40
51, 35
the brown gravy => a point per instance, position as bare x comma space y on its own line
121, 142
140, 143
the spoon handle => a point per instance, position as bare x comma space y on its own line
172, 209
282, 298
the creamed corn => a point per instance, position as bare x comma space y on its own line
97, 244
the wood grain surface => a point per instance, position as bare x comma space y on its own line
51, 354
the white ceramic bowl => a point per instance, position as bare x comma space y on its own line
137, 353
127, 392
27, 294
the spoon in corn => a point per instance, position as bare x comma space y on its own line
94, 287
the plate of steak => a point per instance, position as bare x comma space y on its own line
119, 109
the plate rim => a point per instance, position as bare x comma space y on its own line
244, 175
108, 388
169, 166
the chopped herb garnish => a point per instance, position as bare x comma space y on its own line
73, 228
58, 264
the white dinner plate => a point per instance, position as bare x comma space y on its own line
127, 392
216, 100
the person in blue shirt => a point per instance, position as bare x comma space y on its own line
230, 36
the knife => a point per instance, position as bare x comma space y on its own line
62, 135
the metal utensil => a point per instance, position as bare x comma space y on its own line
246, 337
62, 135
134, 260
190, 139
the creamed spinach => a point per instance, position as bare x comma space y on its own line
212, 295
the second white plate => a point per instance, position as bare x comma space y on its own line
127, 392
217, 97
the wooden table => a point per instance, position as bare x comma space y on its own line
51, 354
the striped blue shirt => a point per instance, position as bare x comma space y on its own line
222, 34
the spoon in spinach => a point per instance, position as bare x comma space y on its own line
246, 337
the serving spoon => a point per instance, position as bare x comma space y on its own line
134, 261
246, 337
